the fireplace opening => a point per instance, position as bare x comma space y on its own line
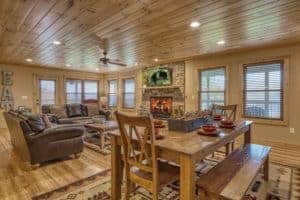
161, 107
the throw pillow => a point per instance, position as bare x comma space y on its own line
59, 111
93, 109
74, 110
46, 120
36, 123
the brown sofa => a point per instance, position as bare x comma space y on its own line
38, 146
67, 114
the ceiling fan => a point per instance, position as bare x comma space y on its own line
105, 60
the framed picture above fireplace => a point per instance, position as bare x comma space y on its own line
158, 77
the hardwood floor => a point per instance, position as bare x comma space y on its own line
15, 183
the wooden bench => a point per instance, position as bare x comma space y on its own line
231, 178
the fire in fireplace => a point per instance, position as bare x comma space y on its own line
161, 107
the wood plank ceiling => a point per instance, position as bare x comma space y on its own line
138, 30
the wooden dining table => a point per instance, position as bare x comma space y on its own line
185, 149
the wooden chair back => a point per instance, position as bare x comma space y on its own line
137, 135
229, 111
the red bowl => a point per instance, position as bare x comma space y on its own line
226, 122
209, 128
217, 117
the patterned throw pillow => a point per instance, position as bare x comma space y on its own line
46, 120
36, 123
59, 111
93, 109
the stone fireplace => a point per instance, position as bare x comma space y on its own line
161, 107
162, 101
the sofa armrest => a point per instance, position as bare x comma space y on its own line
59, 133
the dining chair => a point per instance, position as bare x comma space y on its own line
141, 164
229, 112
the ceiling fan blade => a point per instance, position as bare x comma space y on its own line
117, 63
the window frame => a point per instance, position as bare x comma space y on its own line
123, 93
200, 81
108, 93
82, 88
285, 90
55, 89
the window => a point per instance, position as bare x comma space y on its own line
47, 92
212, 87
112, 93
90, 90
74, 91
263, 90
129, 93
78, 91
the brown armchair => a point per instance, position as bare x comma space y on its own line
52, 143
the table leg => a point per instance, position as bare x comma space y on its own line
102, 140
187, 177
266, 169
247, 136
116, 169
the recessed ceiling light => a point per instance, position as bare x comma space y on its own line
135, 64
28, 59
97, 69
221, 42
195, 24
156, 59
68, 65
56, 42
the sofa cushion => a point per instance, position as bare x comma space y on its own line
74, 110
59, 111
36, 123
93, 109
46, 120
84, 110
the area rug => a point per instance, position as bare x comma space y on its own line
284, 184
91, 141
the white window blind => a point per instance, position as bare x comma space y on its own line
47, 92
129, 93
212, 87
90, 91
74, 91
263, 90
112, 93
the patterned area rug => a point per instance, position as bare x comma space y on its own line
92, 140
284, 184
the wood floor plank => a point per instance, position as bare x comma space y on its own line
16, 183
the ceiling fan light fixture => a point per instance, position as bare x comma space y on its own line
156, 59
28, 60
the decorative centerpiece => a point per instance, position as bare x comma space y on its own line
189, 121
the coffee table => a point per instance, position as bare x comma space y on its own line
102, 130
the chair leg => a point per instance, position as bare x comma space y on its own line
232, 146
127, 189
227, 149
266, 169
